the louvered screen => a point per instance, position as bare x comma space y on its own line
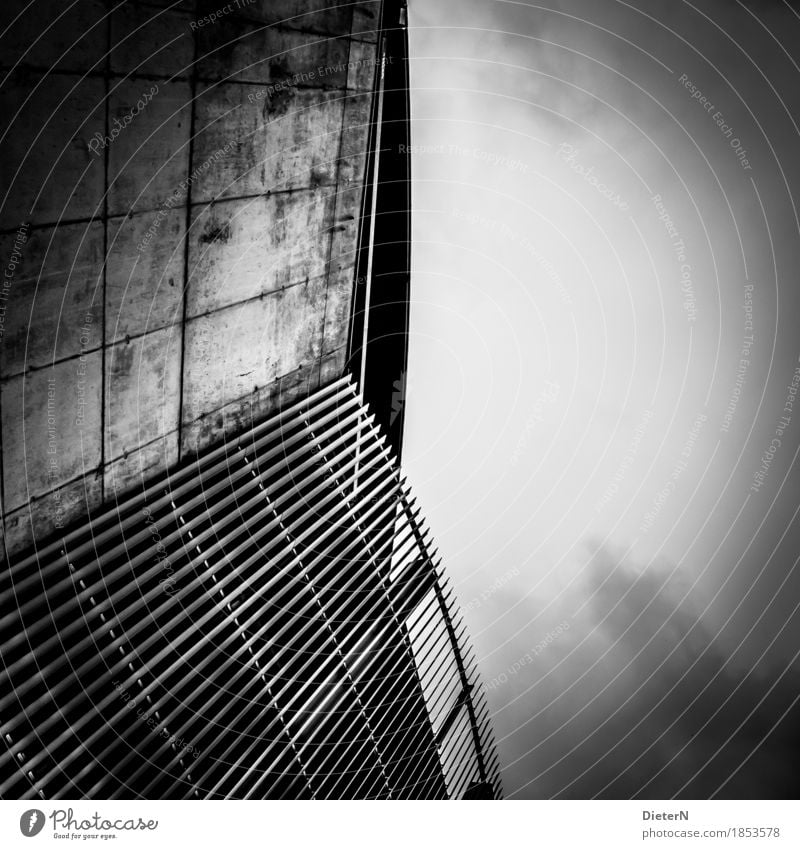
243, 629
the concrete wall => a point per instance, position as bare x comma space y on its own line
180, 204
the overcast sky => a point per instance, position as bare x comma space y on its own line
603, 345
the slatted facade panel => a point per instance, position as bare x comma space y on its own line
243, 628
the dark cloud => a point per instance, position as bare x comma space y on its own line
644, 700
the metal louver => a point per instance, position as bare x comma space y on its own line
265, 621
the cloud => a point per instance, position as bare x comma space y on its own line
644, 700
640, 695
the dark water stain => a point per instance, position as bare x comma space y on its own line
215, 232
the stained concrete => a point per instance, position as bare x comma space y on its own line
49, 173
242, 249
149, 159
144, 289
57, 413
57, 284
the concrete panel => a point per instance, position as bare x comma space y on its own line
331, 366
175, 5
235, 50
144, 288
38, 521
289, 140
232, 351
242, 249
341, 268
152, 41
355, 138
54, 34
54, 307
230, 142
243, 412
366, 20
337, 311
143, 383
328, 17
345, 228
303, 141
363, 64
149, 157
141, 466
51, 427
48, 169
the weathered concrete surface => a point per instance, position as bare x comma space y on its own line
147, 41
38, 520
341, 267
190, 272
133, 470
149, 159
260, 402
51, 427
57, 284
58, 35
142, 393
264, 54
309, 15
316, 16
48, 171
142, 397
144, 289
251, 344
262, 145
239, 250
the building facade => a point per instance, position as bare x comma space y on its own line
267, 621
223, 587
